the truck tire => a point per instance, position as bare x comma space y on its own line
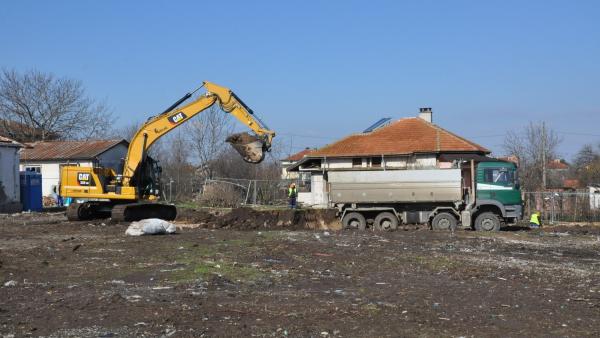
354, 220
487, 221
443, 221
386, 221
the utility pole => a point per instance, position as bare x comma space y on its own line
544, 156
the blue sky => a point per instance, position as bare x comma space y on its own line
319, 70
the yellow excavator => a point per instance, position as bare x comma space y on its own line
135, 194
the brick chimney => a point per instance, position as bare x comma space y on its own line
426, 114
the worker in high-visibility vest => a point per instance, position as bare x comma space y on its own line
535, 222
292, 195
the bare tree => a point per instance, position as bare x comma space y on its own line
587, 165
534, 147
125, 132
36, 106
207, 133
178, 173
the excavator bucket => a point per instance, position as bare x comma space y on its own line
249, 146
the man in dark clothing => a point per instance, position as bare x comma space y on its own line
292, 195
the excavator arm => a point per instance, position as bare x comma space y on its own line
251, 147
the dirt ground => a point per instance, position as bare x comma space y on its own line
238, 275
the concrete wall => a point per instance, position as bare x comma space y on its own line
318, 188
10, 190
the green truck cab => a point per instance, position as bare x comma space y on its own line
498, 191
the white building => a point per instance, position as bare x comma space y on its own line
48, 157
10, 188
288, 161
408, 143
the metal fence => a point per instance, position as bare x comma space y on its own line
560, 206
232, 192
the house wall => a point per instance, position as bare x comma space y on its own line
425, 161
393, 162
338, 163
396, 162
10, 190
50, 171
285, 175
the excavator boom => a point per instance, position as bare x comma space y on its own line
251, 147
133, 195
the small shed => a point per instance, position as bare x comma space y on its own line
48, 157
9, 176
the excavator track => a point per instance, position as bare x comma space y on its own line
138, 211
88, 210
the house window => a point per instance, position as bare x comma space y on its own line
35, 169
356, 162
376, 162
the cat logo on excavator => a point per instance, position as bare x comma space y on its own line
83, 179
177, 118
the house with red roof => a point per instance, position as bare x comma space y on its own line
408, 143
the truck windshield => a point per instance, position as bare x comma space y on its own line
502, 176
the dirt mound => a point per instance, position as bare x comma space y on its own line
574, 229
250, 219
194, 216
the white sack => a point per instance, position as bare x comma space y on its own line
150, 226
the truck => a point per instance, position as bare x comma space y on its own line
483, 196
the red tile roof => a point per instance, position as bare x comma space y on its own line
557, 165
571, 183
67, 150
299, 155
405, 136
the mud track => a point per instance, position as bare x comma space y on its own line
237, 278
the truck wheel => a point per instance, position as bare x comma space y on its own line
354, 220
487, 221
443, 221
386, 221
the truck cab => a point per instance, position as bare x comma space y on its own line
498, 191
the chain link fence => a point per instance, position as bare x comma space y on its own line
561, 206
